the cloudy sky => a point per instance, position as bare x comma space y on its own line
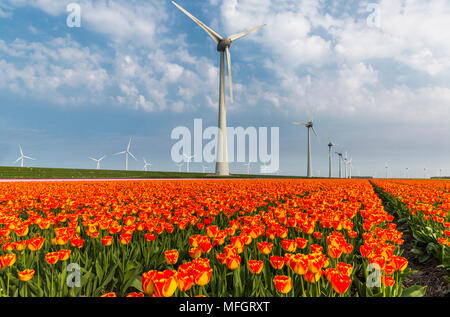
378, 73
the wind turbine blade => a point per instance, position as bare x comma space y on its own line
227, 50
93, 159
21, 153
27, 157
129, 144
216, 37
242, 34
314, 114
297, 123
17, 160
102, 157
132, 155
314, 131
123, 152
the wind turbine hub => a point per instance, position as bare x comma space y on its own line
223, 45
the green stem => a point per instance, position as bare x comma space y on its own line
7, 287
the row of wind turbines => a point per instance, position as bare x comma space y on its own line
127, 153
342, 159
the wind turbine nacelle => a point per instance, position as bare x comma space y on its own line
223, 44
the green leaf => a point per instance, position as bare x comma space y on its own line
417, 251
137, 284
414, 291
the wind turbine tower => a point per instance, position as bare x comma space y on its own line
223, 47
330, 167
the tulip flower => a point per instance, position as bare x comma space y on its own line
255, 266
282, 283
171, 256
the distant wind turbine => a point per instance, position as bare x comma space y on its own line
127, 152
22, 157
98, 160
188, 160
146, 164
340, 161
223, 46
310, 126
387, 169
407, 174
330, 167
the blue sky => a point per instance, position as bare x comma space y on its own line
142, 68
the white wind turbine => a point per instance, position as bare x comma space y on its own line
22, 157
330, 167
387, 169
127, 152
98, 160
188, 160
340, 157
223, 46
146, 164
310, 126
424, 172
407, 174
350, 166
346, 160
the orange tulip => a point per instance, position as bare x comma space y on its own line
36, 243
52, 258
202, 275
255, 266
7, 260
64, 255
134, 294
125, 238
107, 241
265, 247
185, 281
171, 256
147, 284
233, 262
165, 283
277, 262
282, 283
26, 275
340, 282
195, 253
289, 245
112, 294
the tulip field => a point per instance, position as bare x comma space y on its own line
216, 238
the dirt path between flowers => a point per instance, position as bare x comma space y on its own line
427, 272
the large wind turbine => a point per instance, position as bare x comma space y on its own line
22, 157
340, 162
98, 161
330, 168
223, 46
127, 152
310, 126
180, 165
